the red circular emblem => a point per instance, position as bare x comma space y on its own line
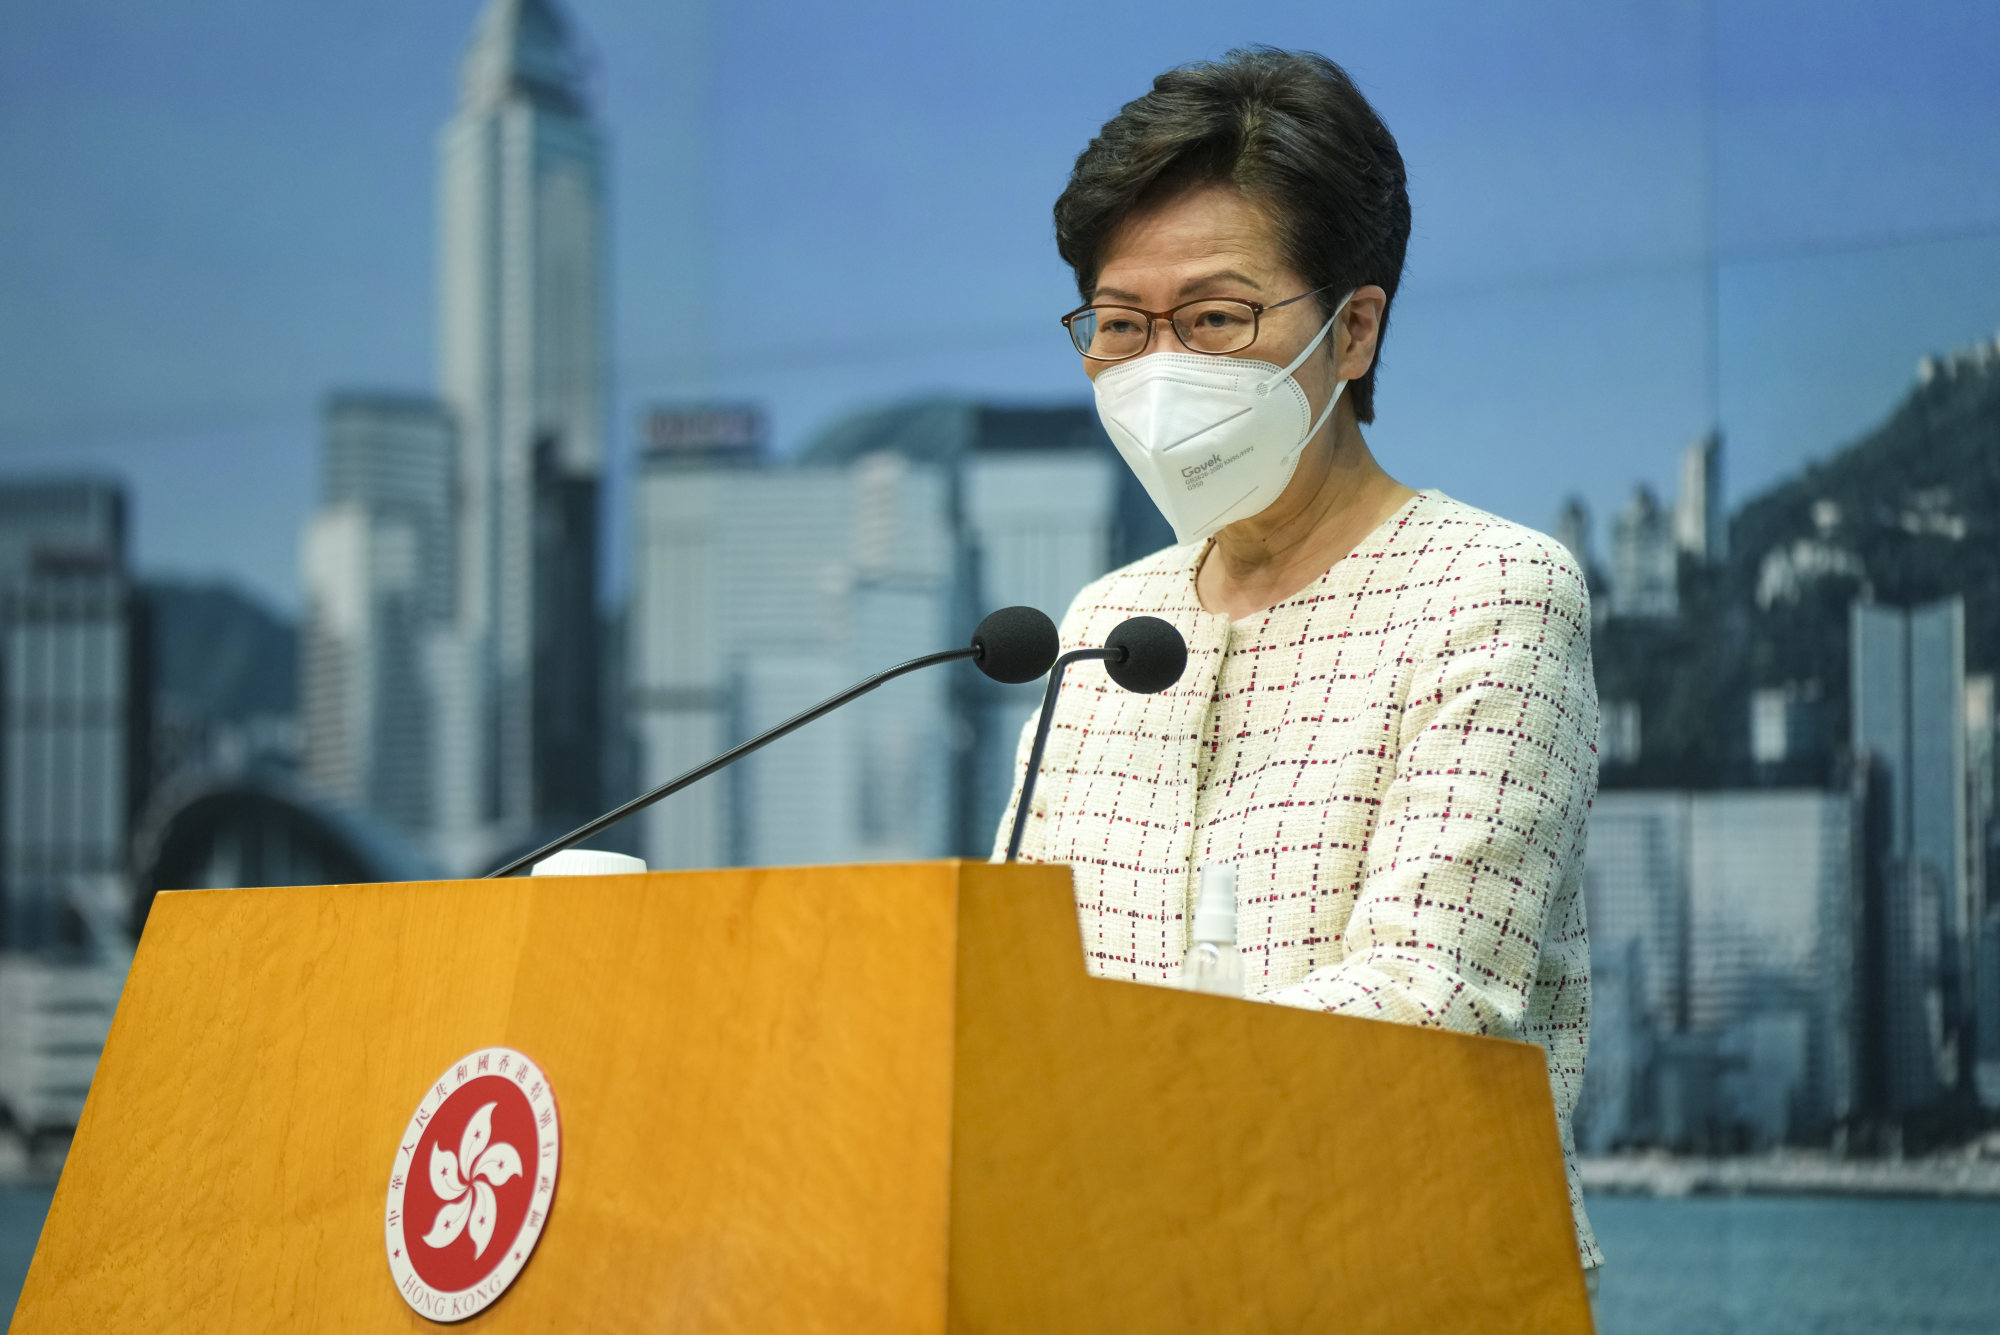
474, 1176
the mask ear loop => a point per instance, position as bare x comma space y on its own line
1264, 386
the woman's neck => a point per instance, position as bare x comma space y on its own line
1338, 496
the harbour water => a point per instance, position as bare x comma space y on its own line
1797, 1265
21, 1212
1701, 1265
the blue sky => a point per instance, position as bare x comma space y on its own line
216, 212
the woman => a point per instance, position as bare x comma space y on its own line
1388, 722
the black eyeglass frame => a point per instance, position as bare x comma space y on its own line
1153, 318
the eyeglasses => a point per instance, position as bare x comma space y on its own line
1213, 325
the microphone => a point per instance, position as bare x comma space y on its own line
1141, 654
1013, 645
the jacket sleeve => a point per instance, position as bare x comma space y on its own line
1496, 767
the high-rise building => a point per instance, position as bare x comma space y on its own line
1720, 942
1982, 729
757, 592
1648, 540
1573, 531
67, 724
677, 692
1982, 798
1769, 953
1919, 922
71, 724
1039, 525
759, 589
379, 594
1785, 723
521, 365
1620, 736
1699, 529
1041, 505
1644, 560
1635, 878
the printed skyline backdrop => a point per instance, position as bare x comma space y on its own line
1665, 257
218, 213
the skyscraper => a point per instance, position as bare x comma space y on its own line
1720, 940
1572, 530
70, 730
67, 731
521, 363
758, 592
1644, 578
1698, 524
379, 592
1040, 506
1908, 685
759, 589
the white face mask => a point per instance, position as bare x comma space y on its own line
1212, 439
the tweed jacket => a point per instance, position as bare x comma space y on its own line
1398, 760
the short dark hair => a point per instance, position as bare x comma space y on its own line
1287, 128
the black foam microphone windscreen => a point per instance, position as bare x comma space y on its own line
1154, 655
1015, 644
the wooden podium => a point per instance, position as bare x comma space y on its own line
841, 1099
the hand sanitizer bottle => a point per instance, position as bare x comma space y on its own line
1212, 964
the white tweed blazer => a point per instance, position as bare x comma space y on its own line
1412, 754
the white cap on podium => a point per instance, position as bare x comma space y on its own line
588, 862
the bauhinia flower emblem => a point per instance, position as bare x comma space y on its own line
465, 1182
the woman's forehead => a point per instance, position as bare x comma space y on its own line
1212, 237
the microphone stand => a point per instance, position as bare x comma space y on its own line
1117, 653
790, 725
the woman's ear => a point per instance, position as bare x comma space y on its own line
1356, 332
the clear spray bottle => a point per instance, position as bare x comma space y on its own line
1212, 964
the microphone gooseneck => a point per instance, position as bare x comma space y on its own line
1144, 655
1019, 642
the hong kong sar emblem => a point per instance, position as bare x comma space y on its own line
474, 1176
